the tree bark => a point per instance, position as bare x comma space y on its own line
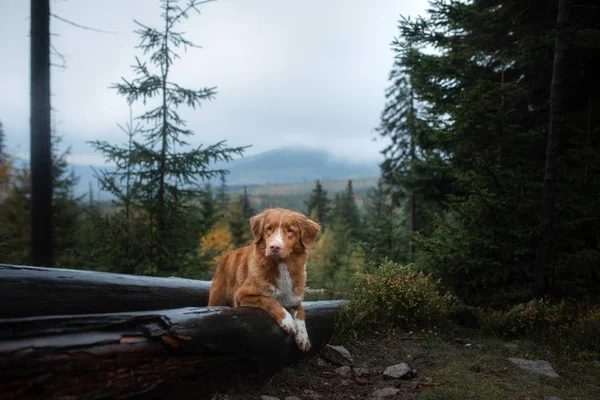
40, 147
124, 354
33, 291
555, 132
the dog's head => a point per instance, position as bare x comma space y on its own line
279, 233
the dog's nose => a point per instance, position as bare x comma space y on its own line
275, 247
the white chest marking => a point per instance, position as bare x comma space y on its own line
284, 292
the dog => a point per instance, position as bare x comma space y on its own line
270, 273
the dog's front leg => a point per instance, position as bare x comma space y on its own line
301, 337
246, 297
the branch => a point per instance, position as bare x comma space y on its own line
87, 28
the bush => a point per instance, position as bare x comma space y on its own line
394, 296
569, 328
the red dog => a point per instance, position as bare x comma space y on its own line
271, 273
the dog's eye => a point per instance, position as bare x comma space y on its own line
290, 230
269, 228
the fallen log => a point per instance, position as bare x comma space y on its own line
123, 354
33, 291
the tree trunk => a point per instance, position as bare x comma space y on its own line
555, 132
120, 355
31, 291
413, 223
41, 147
413, 201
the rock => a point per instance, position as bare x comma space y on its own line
540, 367
337, 355
512, 348
321, 362
596, 363
344, 382
362, 372
345, 371
311, 394
387, 392
397, 371
361, 381
268, 398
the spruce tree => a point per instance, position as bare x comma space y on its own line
66, 206
240, 213
482, 112
318, 204
166, 177
345, 211
385, 234
247, 209
209, 209
222, 196
2, 143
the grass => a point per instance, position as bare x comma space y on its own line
479, 371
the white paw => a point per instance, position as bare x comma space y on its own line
288, 324
302, 339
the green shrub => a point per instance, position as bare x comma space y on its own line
394, 296
569, 328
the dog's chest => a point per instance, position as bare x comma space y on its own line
284, 290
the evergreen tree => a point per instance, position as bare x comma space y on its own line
555, 132
15, 210
222, 196
66, 206
247, 209
482, 121
240, 213
318, 205
2, 143
209, 209
165, 180
385, 235
345, 210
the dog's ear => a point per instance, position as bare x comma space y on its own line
308, 232
257, 226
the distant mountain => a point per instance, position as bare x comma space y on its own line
295, 165
285, 165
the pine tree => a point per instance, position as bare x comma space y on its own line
66, 206
385, 235
165, 180
482, 114
222, 196
247, 209
555, 132
240, 213
318, 205
345, 210
2, 143
15, 209
209, 209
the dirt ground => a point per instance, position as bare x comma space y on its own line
452, 368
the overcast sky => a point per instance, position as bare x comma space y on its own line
287, 72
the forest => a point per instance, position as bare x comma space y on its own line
488, 198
